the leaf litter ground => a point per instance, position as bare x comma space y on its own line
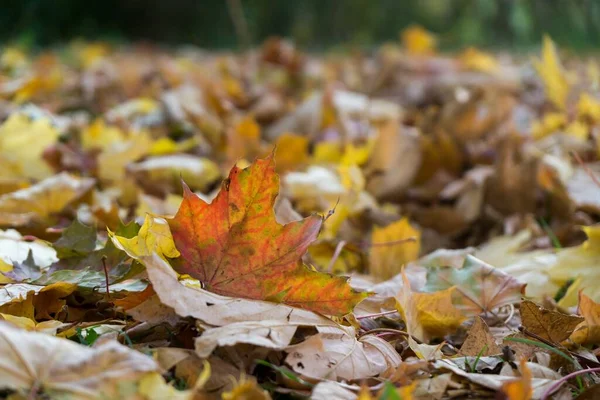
398, 224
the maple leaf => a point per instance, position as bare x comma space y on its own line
552, 74
479, 286
235, 246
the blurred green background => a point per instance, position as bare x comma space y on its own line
313, 24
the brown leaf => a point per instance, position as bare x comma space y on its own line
479, 341
551, 325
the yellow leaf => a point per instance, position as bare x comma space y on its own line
49, 327
550, 123
588, 107
553, 76
391, 249
291, 151
357, 154
416, 40
22, 144
588, 332
112, 163
246, 389
13, 58
428, 315
167, 145
154, 237
327, 152
478, 60
98, 135
578, 129
243, 141
322, 253
580, 262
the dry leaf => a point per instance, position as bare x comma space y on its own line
334, 354
59, 367
479, 340
42, 200
246, 253
550, 325
388, 251
480, 288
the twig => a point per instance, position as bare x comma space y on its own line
106, 277
585, 168
391, 243
381, 314
236, 12
336, 255
390, 330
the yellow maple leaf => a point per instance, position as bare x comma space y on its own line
417, 40
393, 247
22, 144
553, 76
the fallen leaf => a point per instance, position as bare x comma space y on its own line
479, 340
334, 354
550, 325
388, 251
22, 143
154, 237
164, 173
551, 71
269, 334
580, 261
76, 240
520, 388
291, 151
246, 389
480, 288
230, 259
428, 315
416, 40
588, 332
190, 300
59, 367
40, 201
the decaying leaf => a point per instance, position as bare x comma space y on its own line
246, 253
479, 340
35, 361
550, 325
480, 288
588, 332
334, 353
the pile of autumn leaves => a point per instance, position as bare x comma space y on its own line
219, 287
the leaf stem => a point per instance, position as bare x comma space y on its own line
556, 385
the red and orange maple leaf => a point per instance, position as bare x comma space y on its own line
235, 247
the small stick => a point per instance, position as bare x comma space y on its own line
336, 255
381, 314
106, 277
585, 168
